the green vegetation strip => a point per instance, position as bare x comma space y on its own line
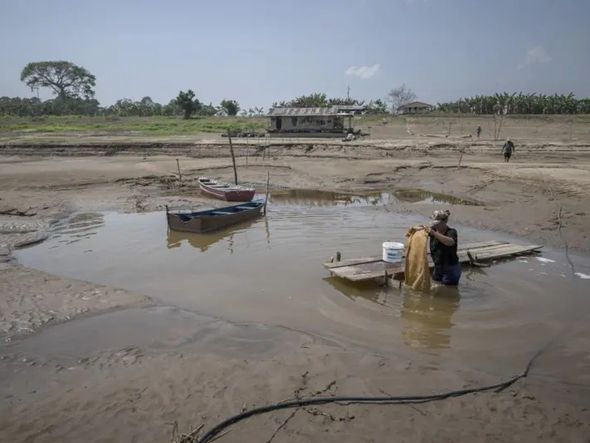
113, 125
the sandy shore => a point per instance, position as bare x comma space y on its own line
32, 299
131, 394
192, 370
140, 393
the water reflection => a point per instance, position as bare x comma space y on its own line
310, 197
204, 241
200, 241
370, 291
422, 196
427, 318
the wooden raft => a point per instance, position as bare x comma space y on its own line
370, 268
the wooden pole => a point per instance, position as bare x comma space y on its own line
179, 174
233, 158
267, 190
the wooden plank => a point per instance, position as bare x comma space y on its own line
362, 274
481, 244
479, 253
515, 250
367, 272
483, 256
376, 269
352, 262
360, 260
488, 248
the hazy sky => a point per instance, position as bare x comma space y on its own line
259, 51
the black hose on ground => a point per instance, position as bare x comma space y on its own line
210, 435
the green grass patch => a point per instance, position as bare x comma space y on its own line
113, 125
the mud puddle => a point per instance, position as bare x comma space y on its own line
309, 197
326, 198
422, 196
269, 271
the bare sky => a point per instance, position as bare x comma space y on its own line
258, 52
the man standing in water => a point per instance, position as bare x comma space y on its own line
443, 249
507, 150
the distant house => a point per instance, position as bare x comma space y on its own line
326, 121
415, 108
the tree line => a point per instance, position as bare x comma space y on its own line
518, 103
146, 107
74, 86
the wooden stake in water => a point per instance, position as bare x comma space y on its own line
233, 158
267, 190
179, 174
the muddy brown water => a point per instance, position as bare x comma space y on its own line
312, 197
422, 196
268, 272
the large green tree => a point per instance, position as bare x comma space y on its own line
188, 103
377, 107
230, 107
65, 79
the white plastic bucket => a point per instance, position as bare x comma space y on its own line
393, 252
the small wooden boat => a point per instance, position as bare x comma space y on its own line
213, 219
225, 191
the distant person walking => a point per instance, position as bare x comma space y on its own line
507, 150
478, 131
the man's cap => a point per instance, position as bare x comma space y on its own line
441, 214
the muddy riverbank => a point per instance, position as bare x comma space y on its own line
141, 392
539, 194
100, 365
